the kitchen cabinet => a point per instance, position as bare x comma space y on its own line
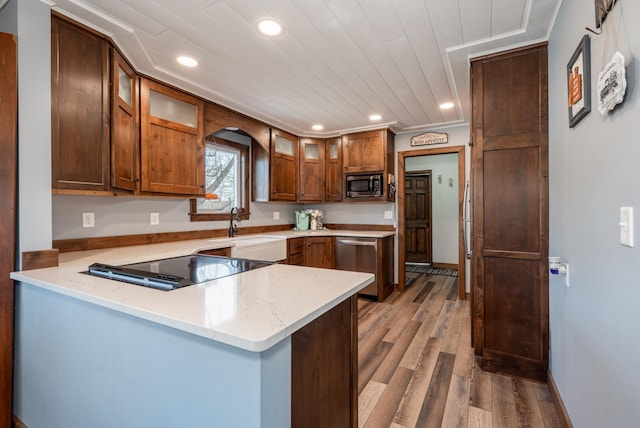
385, 275
324, 369
224, 252
283, 166
8, 206
125, 144
367, 152
171, 140
312, 171
333, 169
510, 200
79, 108
320, 251
295, 251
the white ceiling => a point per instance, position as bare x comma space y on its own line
337, 62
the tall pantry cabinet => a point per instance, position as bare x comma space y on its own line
510, 238
8, 196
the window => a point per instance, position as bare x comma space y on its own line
226, 179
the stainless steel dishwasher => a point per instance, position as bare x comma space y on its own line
359, 255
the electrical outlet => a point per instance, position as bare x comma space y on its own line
388, 215
154, 219
276, 215
88, 220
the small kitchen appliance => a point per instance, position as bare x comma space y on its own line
302, 220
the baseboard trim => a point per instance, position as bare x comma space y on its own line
563, 415
17, 423
444, 265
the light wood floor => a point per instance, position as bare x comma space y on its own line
417, 367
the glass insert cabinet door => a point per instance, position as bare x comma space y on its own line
125, 84
311, 151
165, 107
285, 146
333, 150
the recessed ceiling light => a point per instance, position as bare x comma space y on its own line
269, 27
446, 106
375, 117
187, 61
317, 127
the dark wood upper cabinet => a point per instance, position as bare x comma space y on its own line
312, 180
333, 169
510, 297
79, 108
284, 166
371, 151
125, 143
171, 140
365, 151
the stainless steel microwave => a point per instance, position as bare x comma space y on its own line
364, 185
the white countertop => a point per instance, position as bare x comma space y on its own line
253, 310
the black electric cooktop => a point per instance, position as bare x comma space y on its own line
176, 272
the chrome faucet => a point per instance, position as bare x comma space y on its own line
233, 228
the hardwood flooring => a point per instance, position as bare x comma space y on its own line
417, 367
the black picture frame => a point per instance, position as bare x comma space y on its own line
579, 93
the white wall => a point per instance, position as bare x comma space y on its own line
125, 215
31, 20
444, 203
593, 172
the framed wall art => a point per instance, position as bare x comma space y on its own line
579, 82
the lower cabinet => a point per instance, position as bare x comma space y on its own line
320, 251
224, 252
324, 369
295, 251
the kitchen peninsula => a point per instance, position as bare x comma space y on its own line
271, 347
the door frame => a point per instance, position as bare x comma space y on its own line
429, 173
462, 272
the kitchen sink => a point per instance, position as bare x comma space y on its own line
260, 247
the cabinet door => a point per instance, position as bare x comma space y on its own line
284, 166
79, 108
333, 169
171, 143
364, 151
510, 219
320, 252
125, 145
311, 170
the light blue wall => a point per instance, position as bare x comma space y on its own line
30, 19
593, 172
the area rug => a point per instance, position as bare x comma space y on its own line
430, 270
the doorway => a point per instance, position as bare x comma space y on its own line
457, 184
418, 220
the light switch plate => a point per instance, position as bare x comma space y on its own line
276, 215
626, 226
388, 215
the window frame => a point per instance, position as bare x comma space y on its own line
244, 211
